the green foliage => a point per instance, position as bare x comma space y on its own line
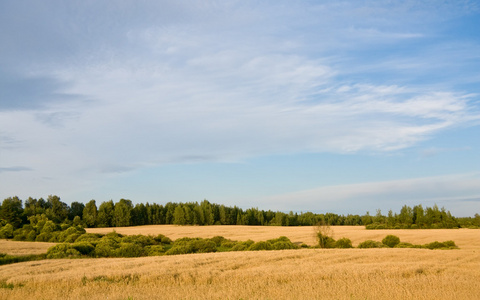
162, 239
242, 246
63, 250
192, 245
343, 243
324, 236
371, 244
441, 245
391, 241
6, 259
85, 248
6, 232
129, 250
154, 250
260, 246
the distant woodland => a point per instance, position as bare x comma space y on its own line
18, 213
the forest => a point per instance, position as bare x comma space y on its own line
17, 213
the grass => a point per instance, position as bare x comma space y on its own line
464, 238
392, 273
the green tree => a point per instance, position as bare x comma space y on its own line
90, 214
76, 209
58, 210
11, 211
179, 216
105, 217
123, 209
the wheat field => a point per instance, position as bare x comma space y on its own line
288, 274
24, 248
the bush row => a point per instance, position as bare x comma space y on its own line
390, 241
41, 229
6, 259
117, 245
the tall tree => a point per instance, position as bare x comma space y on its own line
76, 209
105, 217
11, 211
123, 210
58, 210
90, 214
179, 216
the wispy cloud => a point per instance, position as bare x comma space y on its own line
443, 190
14, 169
92, 90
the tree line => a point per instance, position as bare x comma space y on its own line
17, 213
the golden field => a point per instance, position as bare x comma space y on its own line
288, 274
24, 248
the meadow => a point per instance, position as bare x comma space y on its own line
288, 274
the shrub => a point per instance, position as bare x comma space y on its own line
218, 240
31, 236
89, 237
141, 240
260, 246
370, 244
6, 232
84, 248
228, 244
44, 237
404, 245
162, 239
343, 243
242, 246
204, 246
391, 240
191, 245
324, 236
443, 245
62, 251
154, 250
282, 245
180, 249
129, 250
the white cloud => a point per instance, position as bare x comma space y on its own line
213, 81
458, 193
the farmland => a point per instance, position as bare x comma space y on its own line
302, 274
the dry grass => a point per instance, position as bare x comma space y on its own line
290, 274
464, 238
24, 248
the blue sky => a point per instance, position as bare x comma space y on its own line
323, 106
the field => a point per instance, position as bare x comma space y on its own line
288, 274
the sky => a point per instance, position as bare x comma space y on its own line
322, 106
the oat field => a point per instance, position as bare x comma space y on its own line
288, 274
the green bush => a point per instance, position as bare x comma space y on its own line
129, 250
260, 246
84, 248
142, 240
343, 243
154, 250
404, 245
441, 245
218, 240
162, 239
370, 244
282, 245
242, 246
325, 241
6, 232
89, 237
62, 251
391, 240
31, 236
